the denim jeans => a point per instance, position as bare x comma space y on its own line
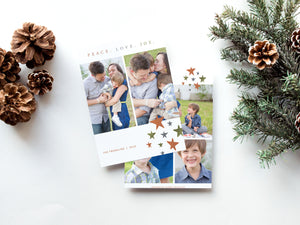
101, 128
142, 120
188, 130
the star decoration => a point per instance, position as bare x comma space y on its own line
149, 144
191, 71
197, 85
173, 144
185, 77
178, 131
160, 144
164, 134
202, 78
162, 153
182, 83
170, 123
197, 73
193, 79
157, 122
151, 135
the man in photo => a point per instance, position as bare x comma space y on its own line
144, 95
96, 97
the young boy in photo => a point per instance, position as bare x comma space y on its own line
193, 121
142, 171
193, 170
164, 83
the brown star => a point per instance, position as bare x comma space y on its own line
197, 85
149, 144
157, 122
172, 144
191, 71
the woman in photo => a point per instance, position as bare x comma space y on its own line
119, 93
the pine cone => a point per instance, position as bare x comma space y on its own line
9, 68
295, 39
33, 45
263, 54
40, 82
16, 103
297, 123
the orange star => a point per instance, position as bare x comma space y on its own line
172, 144
157, 122
191, 71
182, 83
197, 85
149, 144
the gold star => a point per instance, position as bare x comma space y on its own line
202, 78
151, 135
157, 122
179, 131
172, 144
191, 71
197, 85
149, 145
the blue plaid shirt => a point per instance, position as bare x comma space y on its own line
183, 176
168, 95
136, 175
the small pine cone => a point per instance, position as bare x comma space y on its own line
33, 45
263, 54
297, 123
17, 103
40, 82
295, 39
9, 68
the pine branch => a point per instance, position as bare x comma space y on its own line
271, 97
276, 7
276, 148
244, 78
260, 10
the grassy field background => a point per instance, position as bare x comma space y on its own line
206, 113
152, 52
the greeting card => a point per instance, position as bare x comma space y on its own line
131, 100
191, 167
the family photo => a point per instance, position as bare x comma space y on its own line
194, 164
153, 96
106, 90
197, 110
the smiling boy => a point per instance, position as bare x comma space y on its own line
193, 171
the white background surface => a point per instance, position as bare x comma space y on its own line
49, 168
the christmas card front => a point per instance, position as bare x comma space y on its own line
131, 101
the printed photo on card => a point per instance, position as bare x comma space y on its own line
131, 102
191, 167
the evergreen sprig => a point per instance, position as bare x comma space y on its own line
270, 99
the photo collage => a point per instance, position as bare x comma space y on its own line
169, 143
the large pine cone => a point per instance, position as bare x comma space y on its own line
33, 45
16, 103
263, 54
9, 68
40, 82
295, 39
